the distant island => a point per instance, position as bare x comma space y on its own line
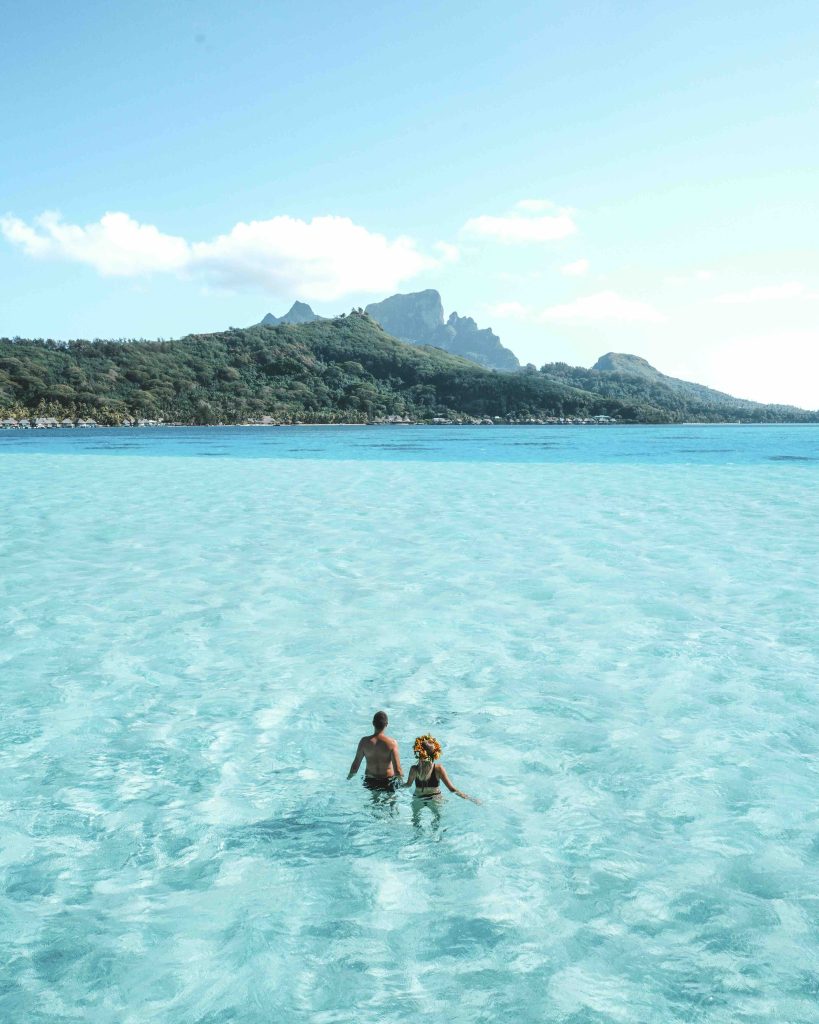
345, 369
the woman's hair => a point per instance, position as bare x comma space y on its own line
426, 748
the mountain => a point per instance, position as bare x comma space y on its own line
462, 336
347, 369
299, 313
647, 392
414, 317
418, 318
627, 366
622, 362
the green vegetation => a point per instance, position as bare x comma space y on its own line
651, 396
342, 370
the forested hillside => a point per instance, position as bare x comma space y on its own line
630, 378
342, 370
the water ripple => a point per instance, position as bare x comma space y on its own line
619, 659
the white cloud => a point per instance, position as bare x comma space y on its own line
576, 269
687, 278
323, 259
521, 226
449, 253
508, 311
766, 293
115, 246
602, 307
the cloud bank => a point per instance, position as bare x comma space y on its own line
576, 269
532, 220
115, 246
600, 308
765, 293
324, 258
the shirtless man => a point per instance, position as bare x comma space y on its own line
380, 751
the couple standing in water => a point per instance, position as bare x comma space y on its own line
383, 764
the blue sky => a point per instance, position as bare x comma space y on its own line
583, 177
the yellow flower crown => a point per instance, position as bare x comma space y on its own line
421, 752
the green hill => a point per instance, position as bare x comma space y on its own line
632, 380
342, 370
628, 366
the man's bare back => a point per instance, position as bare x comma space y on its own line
381, 754
383, 761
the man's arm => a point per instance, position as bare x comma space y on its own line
359, 757
396, 758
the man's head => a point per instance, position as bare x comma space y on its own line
380, 721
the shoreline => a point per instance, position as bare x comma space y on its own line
62, 426
51, 423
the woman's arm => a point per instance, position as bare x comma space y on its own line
442, 775
411, 777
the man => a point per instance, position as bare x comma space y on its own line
380, 751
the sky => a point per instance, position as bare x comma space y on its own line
582, 177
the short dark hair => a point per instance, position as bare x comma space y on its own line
380, 720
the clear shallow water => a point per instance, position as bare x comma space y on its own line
617, 651
695, 444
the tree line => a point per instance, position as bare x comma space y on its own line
342, 370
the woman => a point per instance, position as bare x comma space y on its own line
427, 775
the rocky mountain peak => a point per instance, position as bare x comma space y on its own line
623, 362
412, 317
299, 313
418, 317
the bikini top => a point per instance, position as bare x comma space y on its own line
431, 782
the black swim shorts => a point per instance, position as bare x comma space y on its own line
388, 785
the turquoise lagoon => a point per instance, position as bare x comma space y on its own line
612, 631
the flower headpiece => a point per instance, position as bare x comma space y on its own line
421, 745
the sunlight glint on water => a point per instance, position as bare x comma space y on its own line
619, 657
